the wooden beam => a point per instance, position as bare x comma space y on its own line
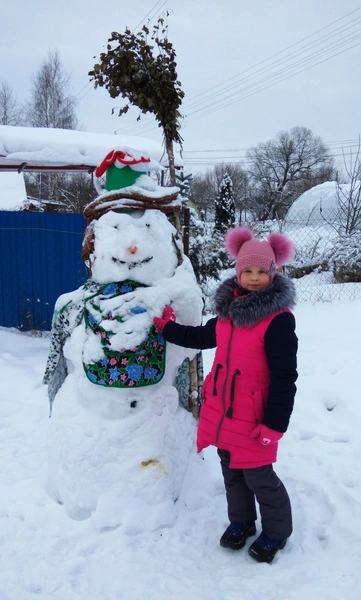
21, 167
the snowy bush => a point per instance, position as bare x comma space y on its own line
225, 212
207, 254
345, 258
312, 249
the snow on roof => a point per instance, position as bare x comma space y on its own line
65, 146
317, 204
12, 190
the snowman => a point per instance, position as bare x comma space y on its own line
119, 442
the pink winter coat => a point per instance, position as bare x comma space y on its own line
253, 376
235, 393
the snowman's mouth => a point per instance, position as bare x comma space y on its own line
131, 265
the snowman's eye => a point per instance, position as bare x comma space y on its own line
147, 224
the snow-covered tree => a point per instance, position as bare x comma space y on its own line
205, 187
208, 256
183, 181
224, 206
207, 253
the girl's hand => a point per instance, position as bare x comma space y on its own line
265, 435
168, 315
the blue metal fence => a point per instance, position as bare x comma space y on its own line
40, 259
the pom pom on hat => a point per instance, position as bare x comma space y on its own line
249, 252
235, 238
282, 248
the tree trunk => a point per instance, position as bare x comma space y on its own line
193, 400
186, 219
193, 388
170, 154
169, 149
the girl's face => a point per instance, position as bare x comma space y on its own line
253, 279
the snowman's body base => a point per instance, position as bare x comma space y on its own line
110, 468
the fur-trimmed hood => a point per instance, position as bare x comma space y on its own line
251, 307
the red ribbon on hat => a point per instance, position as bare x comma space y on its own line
122, 157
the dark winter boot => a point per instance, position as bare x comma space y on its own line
264, 548
236, 534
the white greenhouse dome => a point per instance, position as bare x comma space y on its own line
317, 206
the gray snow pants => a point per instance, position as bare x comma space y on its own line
243, 486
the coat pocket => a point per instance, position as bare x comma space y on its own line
257, 405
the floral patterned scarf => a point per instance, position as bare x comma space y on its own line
140, 366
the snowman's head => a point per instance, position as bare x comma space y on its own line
137, 246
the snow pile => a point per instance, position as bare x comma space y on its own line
65, 146
12, 191
313, 244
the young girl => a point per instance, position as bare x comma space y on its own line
248, 395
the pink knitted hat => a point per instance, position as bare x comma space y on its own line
249, 252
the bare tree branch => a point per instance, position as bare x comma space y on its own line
349, 195
282, 169
50, 103
10, 112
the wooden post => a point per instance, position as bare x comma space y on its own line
186, 221
193, 400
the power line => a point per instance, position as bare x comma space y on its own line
345, 143
243, 161
300, 61
275, 77
258, 85
287, 58
239, 162
214, 106
277, 54
151, 10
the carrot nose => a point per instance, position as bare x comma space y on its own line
133, 249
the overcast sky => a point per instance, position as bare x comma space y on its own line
248, 68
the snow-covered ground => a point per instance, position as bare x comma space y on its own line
46, 555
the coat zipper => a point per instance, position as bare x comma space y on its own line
218, 368
229, 412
